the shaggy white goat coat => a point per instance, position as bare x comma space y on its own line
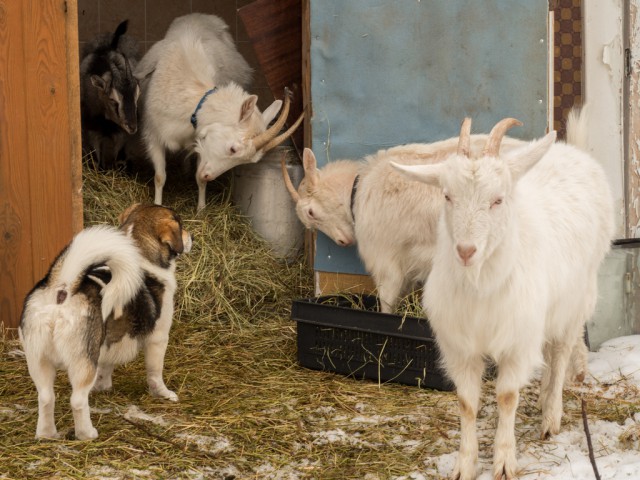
394, 220
514, 277
196, 55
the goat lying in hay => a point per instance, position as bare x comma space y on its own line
193, 98
109, 94
514, 278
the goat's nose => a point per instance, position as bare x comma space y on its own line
466, 252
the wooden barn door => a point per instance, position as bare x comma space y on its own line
40, 145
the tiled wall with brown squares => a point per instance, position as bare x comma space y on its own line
149, 20
567, 63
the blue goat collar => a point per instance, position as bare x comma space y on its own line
194, 117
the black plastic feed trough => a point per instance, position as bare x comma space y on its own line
347, 334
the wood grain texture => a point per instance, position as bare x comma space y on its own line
16, 267
48, 130
275, 31
331, 282
40, 157
310, 237
73, 103
633, 154
306, 72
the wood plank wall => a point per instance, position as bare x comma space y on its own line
40, 143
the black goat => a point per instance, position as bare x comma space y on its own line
109, 94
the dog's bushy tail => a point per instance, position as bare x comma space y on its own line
96, 246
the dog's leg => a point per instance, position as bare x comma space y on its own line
154, 351
44, 377
103, 378
82, 378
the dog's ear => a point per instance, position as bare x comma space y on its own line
125, 215
170, 234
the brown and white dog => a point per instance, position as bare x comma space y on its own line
108, 294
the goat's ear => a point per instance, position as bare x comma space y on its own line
248, 106
429, 174
101, 82
271, 111
522, 159
310, 167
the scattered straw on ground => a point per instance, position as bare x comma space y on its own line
246, 409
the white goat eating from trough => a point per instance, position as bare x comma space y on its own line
392, 219
193, 99
514, 276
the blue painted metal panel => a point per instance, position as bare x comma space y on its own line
385, 73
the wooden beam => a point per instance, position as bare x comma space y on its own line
40, 143
16, 266
331, 282
73, 102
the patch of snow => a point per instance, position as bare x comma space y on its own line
212, 445
294, 471
566, 456
133, 412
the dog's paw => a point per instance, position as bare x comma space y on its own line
87, 434
165, 393
172, 396
160, 390
169, 395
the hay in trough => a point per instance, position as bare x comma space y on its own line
246, 409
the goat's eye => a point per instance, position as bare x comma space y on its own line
310, 212
447, 197
497, 201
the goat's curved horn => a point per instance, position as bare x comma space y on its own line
465, 138
282, 137
287, 181
497, 132
260, 140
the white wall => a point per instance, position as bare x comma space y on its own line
604, 77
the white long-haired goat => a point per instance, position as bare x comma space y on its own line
392, 219
514, 276
193, 98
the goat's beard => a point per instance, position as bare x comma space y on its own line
472, 274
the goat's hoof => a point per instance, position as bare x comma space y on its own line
503, 474
465, 470
48, 435
505, 464
549, 427
102, 386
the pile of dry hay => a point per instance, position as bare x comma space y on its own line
246, 409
